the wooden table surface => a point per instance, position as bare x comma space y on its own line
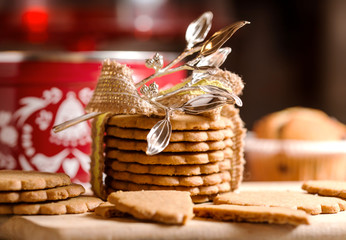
90, 226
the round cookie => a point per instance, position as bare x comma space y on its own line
161, 180
50, 194
176, 170
326, 188
80, 204
137, 145
177, 136
115, 185
179, 122
169, 158
16, 180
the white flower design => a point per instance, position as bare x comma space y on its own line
44, 119
9, 136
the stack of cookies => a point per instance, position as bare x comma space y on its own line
30, 192
204, 156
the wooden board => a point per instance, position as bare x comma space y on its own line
90, 226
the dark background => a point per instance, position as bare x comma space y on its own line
292, 54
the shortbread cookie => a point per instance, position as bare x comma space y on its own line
311, 204
137, 145
114, 185
177, 136
171, 207
278, 215
108, 210
326, 188
80, 204
16, 180
179, 122
170, 158
161, 180
177, 170
50, 194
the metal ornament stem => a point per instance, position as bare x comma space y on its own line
166, 70
75, 121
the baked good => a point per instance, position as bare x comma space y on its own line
257, 214
170, 207
296, 144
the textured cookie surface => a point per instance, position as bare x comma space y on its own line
114, 185
15, 180
179, 122
175, 170
50, 194
311, 204
80, 204
177, 136
161, 180
169, 158
137, 145
326, 188
171, 207
239, 213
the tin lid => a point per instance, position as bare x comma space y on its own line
30, 68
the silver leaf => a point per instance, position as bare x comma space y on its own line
203, 103
219, 38
159, 136
231, 97
198, 29
216, 59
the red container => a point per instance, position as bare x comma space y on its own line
40, 90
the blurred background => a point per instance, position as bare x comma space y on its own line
292, 53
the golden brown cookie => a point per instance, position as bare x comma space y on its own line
326, 188
170, 158
170, 170
137, 145
161, 180
16, 180
311, 204
108, 210
179, 122
177, 136
114, 185
278, 215
80, 204
170, 207
50, 194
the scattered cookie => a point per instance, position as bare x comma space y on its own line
189, 181
137, 145
326, 188
278, 215
16, 180
169, 158
175, 170
200, 190
179, 122
108, 210
311, 204
50, 194
80, 204
177, 136
171, 207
